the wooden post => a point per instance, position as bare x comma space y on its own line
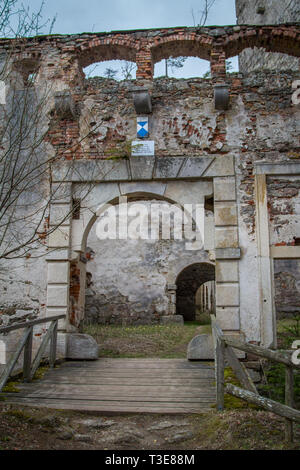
220, 366
289, 401
27, 356
53, 343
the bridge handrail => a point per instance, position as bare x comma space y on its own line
223, 347
29, 366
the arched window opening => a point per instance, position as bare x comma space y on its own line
113, 69
182, 67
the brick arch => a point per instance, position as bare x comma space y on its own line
187, 45
285, 40
99, 50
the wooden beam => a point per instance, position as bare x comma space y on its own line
269, 405
275, 356
240, 370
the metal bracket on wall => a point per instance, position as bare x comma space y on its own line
221, 96
142, 101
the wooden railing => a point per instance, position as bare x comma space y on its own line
223, 347
30, 367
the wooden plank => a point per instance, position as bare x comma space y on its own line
135, 372
7, 329
266, 403
276, 356
115, 402
122, 398
106, 390
289, 401
239, 370
220, 366
99, 365
114, 408
199, 382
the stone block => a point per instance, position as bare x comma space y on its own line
60, 214
226, 237
52, 312
152, 187
192, 192
59, 237
209, 233
142, 167
61, 254
58, 272
201, 347
227, 271
57, 296
225, 213
194, 167
224, 188
227, 295
168, 167
171, 319
81, 346
227, 253
221, 166
61, 192
228, 318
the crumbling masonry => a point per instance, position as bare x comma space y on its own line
233, 149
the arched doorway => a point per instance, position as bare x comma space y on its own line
107, 195
188, 282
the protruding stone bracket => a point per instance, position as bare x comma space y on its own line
64, 105
142, 101
221, 96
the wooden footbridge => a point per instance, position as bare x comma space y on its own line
108, 385
122, 385
144, 385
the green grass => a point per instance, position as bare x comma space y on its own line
161, 341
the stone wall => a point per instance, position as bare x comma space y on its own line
259, 12
91, 123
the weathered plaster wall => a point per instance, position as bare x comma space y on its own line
128, 279
261, 12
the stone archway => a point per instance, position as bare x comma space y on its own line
111, 194
188, 282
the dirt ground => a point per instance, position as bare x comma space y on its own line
24, 428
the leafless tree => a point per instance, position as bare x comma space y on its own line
26, 156
200, 18
178, 62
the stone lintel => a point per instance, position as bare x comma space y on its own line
143, 168
278, 252
281, 168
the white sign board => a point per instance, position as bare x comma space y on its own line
142, 148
